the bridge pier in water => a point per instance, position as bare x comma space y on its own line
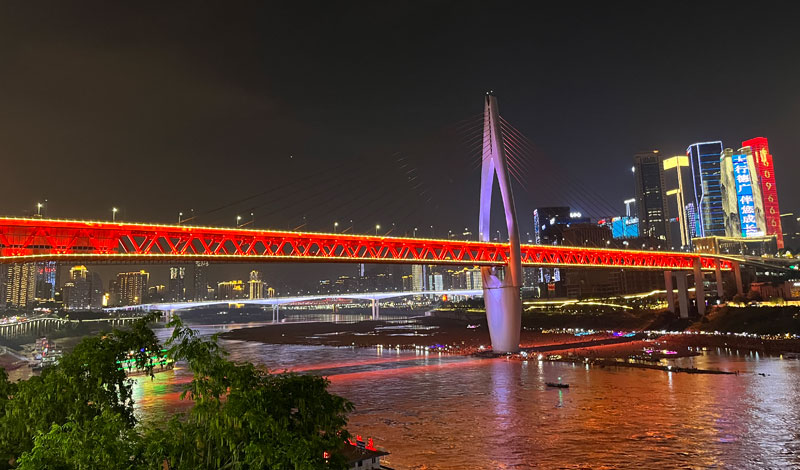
375, 309
699, 288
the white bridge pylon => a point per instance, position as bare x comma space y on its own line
501, 294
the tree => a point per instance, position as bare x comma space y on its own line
79, 414
85, 384
245, 417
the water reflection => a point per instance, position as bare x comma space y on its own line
442, 412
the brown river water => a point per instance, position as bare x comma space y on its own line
436, 411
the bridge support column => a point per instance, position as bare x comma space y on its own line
683, 294
737, 278
670, 291
699, 288
718, 276
276, 314
503, 311
375, 309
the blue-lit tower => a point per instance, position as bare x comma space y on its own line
706, 184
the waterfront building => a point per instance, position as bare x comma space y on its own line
585, 234
419, 277
231, 290
548, 223
46, 280
255, 286
435, 282
177, 284
408, 283
766, 179
742, 200
132, 287
704, 160
20, 285
790, 225
650, 195
676, 171
201, 287
624, 227
77, 291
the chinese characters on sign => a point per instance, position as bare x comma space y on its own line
744, 195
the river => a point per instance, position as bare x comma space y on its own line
442, 412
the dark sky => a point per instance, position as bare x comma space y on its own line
161, 107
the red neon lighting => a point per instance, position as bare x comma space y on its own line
769, 192
26, 240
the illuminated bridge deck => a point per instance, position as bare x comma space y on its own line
27, 240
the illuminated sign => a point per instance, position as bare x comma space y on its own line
744, 196
766, 178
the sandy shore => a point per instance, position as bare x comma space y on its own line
459, 337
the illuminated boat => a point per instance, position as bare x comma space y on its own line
159, 362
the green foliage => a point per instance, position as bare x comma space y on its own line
79, 414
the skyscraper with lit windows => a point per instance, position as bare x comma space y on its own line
704, 160
651, 195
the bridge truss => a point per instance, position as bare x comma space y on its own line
28, 240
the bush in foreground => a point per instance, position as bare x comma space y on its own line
79, 414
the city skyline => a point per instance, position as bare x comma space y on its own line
253, 115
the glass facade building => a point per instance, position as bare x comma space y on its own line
704, 158
650, 195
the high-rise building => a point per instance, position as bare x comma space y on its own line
46, 280
676, 172
435, 282
547, 224
20, 285
766, 179
419, 277
790, 224
255, 286
704, 162
742, 201
133, 287
177, 284
77, 290
651, 195
231, 290
468, 278
201, 286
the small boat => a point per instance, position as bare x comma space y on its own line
556, 385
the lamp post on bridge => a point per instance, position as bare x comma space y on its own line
335, 224
377, 227
114, 214
238, 219
415, 232
180, 215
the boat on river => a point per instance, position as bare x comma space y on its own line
159, 362
556, 385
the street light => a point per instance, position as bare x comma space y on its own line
377, 227
113, 214
238, 218
180, 214
335, 224
39, 206
415, 232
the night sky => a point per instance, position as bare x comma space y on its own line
334, 111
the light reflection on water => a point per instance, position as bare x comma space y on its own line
447, 412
